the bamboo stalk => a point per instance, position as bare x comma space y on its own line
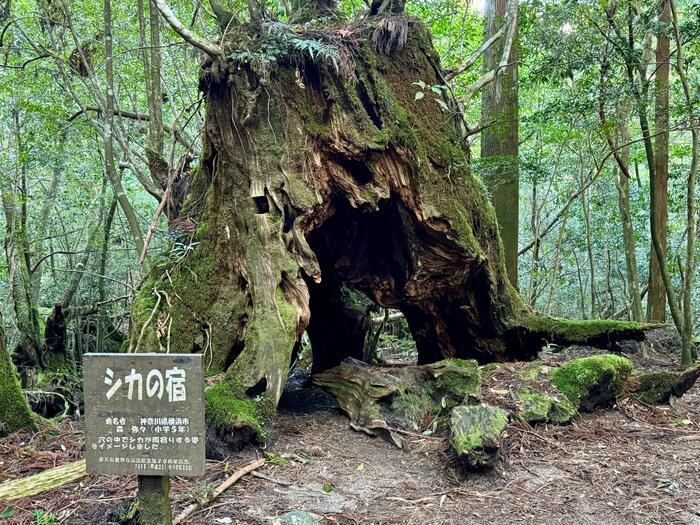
180, 518
47, 480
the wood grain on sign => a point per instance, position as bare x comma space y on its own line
144, 414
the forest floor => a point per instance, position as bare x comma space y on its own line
632, 464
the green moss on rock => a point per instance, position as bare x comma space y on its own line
535, 405
594, 381
476, 433
541, 407
458, 378
656, 388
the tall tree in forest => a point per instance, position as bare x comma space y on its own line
15, 208
499, 139
656, 296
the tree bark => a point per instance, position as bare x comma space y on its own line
108, 137
499, 141
656, 297
623, 194
15, 413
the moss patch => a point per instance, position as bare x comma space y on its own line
594, 381
14, 410
540, 407
228, 408
574, 331
459, 379
657, 387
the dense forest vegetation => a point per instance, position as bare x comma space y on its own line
285, 185
587, 139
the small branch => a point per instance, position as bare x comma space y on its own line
27, 62
120, 113
154, 223
452, 73
180, 518
271, 479
215, 51
503, 64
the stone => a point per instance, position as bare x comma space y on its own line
300, 517
476, 433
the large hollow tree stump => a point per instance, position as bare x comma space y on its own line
323, 173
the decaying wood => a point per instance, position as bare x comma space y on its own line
47, 480
250, 467
389, 400
472, 404
325, 184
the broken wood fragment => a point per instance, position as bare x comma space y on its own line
250, 467
42, 482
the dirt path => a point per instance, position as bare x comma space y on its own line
629, 465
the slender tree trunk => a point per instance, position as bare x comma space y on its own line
557, 261
688, 348
534, 266
44, 216
656, 298
152, 63
499, 141
108, 136
28, 351
623, 194
101, 288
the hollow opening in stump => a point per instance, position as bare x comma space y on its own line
378, 252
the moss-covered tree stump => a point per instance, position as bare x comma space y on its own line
15, 413
322, 172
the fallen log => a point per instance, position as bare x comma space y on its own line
180, 518
42, 482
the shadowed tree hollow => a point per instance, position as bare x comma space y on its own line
322, 173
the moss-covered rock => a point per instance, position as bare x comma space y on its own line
542, 407
476, 433
656, 388
591, 382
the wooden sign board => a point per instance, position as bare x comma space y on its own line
144, 414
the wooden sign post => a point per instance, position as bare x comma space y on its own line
145, 415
